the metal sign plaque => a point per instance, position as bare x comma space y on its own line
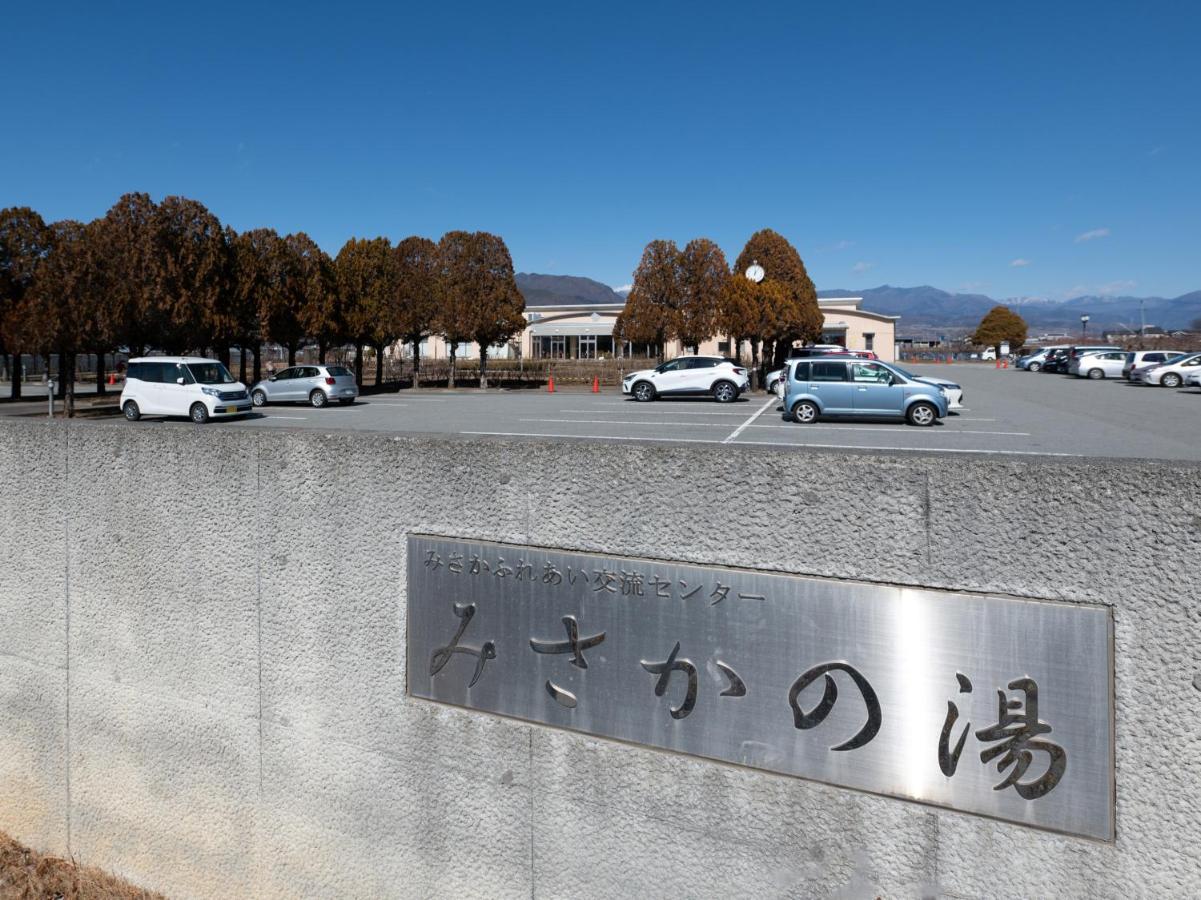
984, 704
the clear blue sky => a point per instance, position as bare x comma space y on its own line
1014, 149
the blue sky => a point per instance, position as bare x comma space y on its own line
1014, 149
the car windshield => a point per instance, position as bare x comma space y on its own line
210, 373
906, 373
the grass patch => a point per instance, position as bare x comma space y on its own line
26, 875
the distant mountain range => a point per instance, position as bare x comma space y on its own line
925, 308
564, 290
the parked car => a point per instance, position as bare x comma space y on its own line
858, 387
1098, 364
1194, 380
190, 386
1136, 359
316, 385
1054, 359
1033, 362
689, 375
772, 379
1169, 374
952, 390
1077, 350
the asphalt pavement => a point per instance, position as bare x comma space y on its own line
1008, 413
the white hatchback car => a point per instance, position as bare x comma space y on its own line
722, 378
200, 389
1170, 374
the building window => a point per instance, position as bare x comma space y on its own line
587, 346
723, 347
869, 338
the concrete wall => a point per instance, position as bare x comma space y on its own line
202, 647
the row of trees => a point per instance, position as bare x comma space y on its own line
692, 295
168, 276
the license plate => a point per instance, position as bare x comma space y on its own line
231, 409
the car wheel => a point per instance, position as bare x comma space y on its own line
1034, 367
1095, 374
805, 412
921, 414
258, 398
199, 413
724, 392
318, 398
132, 413
644, 391
1171, 380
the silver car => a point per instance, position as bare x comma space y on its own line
316, 385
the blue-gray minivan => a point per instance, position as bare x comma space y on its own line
857, 387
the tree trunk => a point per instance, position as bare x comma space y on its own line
258, 363
483, 365
223, 355
322, 349
291, 355
66, 372
450, 381
242, 364
379, 364
358, 364
60, 392
416, 363
100, 390
16, 388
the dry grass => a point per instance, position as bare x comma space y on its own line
26, 875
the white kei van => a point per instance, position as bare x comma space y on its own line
190, 386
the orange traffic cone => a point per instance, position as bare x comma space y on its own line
112, 379
550, 385
595, 384
1005, 364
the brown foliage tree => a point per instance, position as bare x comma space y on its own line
255, 285
798, 318
60, 312
24, 240
366, 278
320, 312
129, 241
480, 301
747, 311
417, 273
1000, 324
649, 316
190, 268
703, 276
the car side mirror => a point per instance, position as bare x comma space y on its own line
271, 378
179, 380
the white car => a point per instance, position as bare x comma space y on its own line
689, 375
1099, 364
1170, 374
191, 386
953, 391
1194, 380
1138, 359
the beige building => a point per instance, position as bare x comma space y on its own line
585, 331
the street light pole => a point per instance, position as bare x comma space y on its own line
1084, 328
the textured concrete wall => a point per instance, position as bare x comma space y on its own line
202, 652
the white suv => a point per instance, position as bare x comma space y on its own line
182, 386
722, 378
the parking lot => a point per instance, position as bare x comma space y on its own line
1008, 412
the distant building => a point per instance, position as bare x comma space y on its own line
585, 331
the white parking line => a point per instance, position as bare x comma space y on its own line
893, 429
665, 412
628, 422
594, 437
743, 427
